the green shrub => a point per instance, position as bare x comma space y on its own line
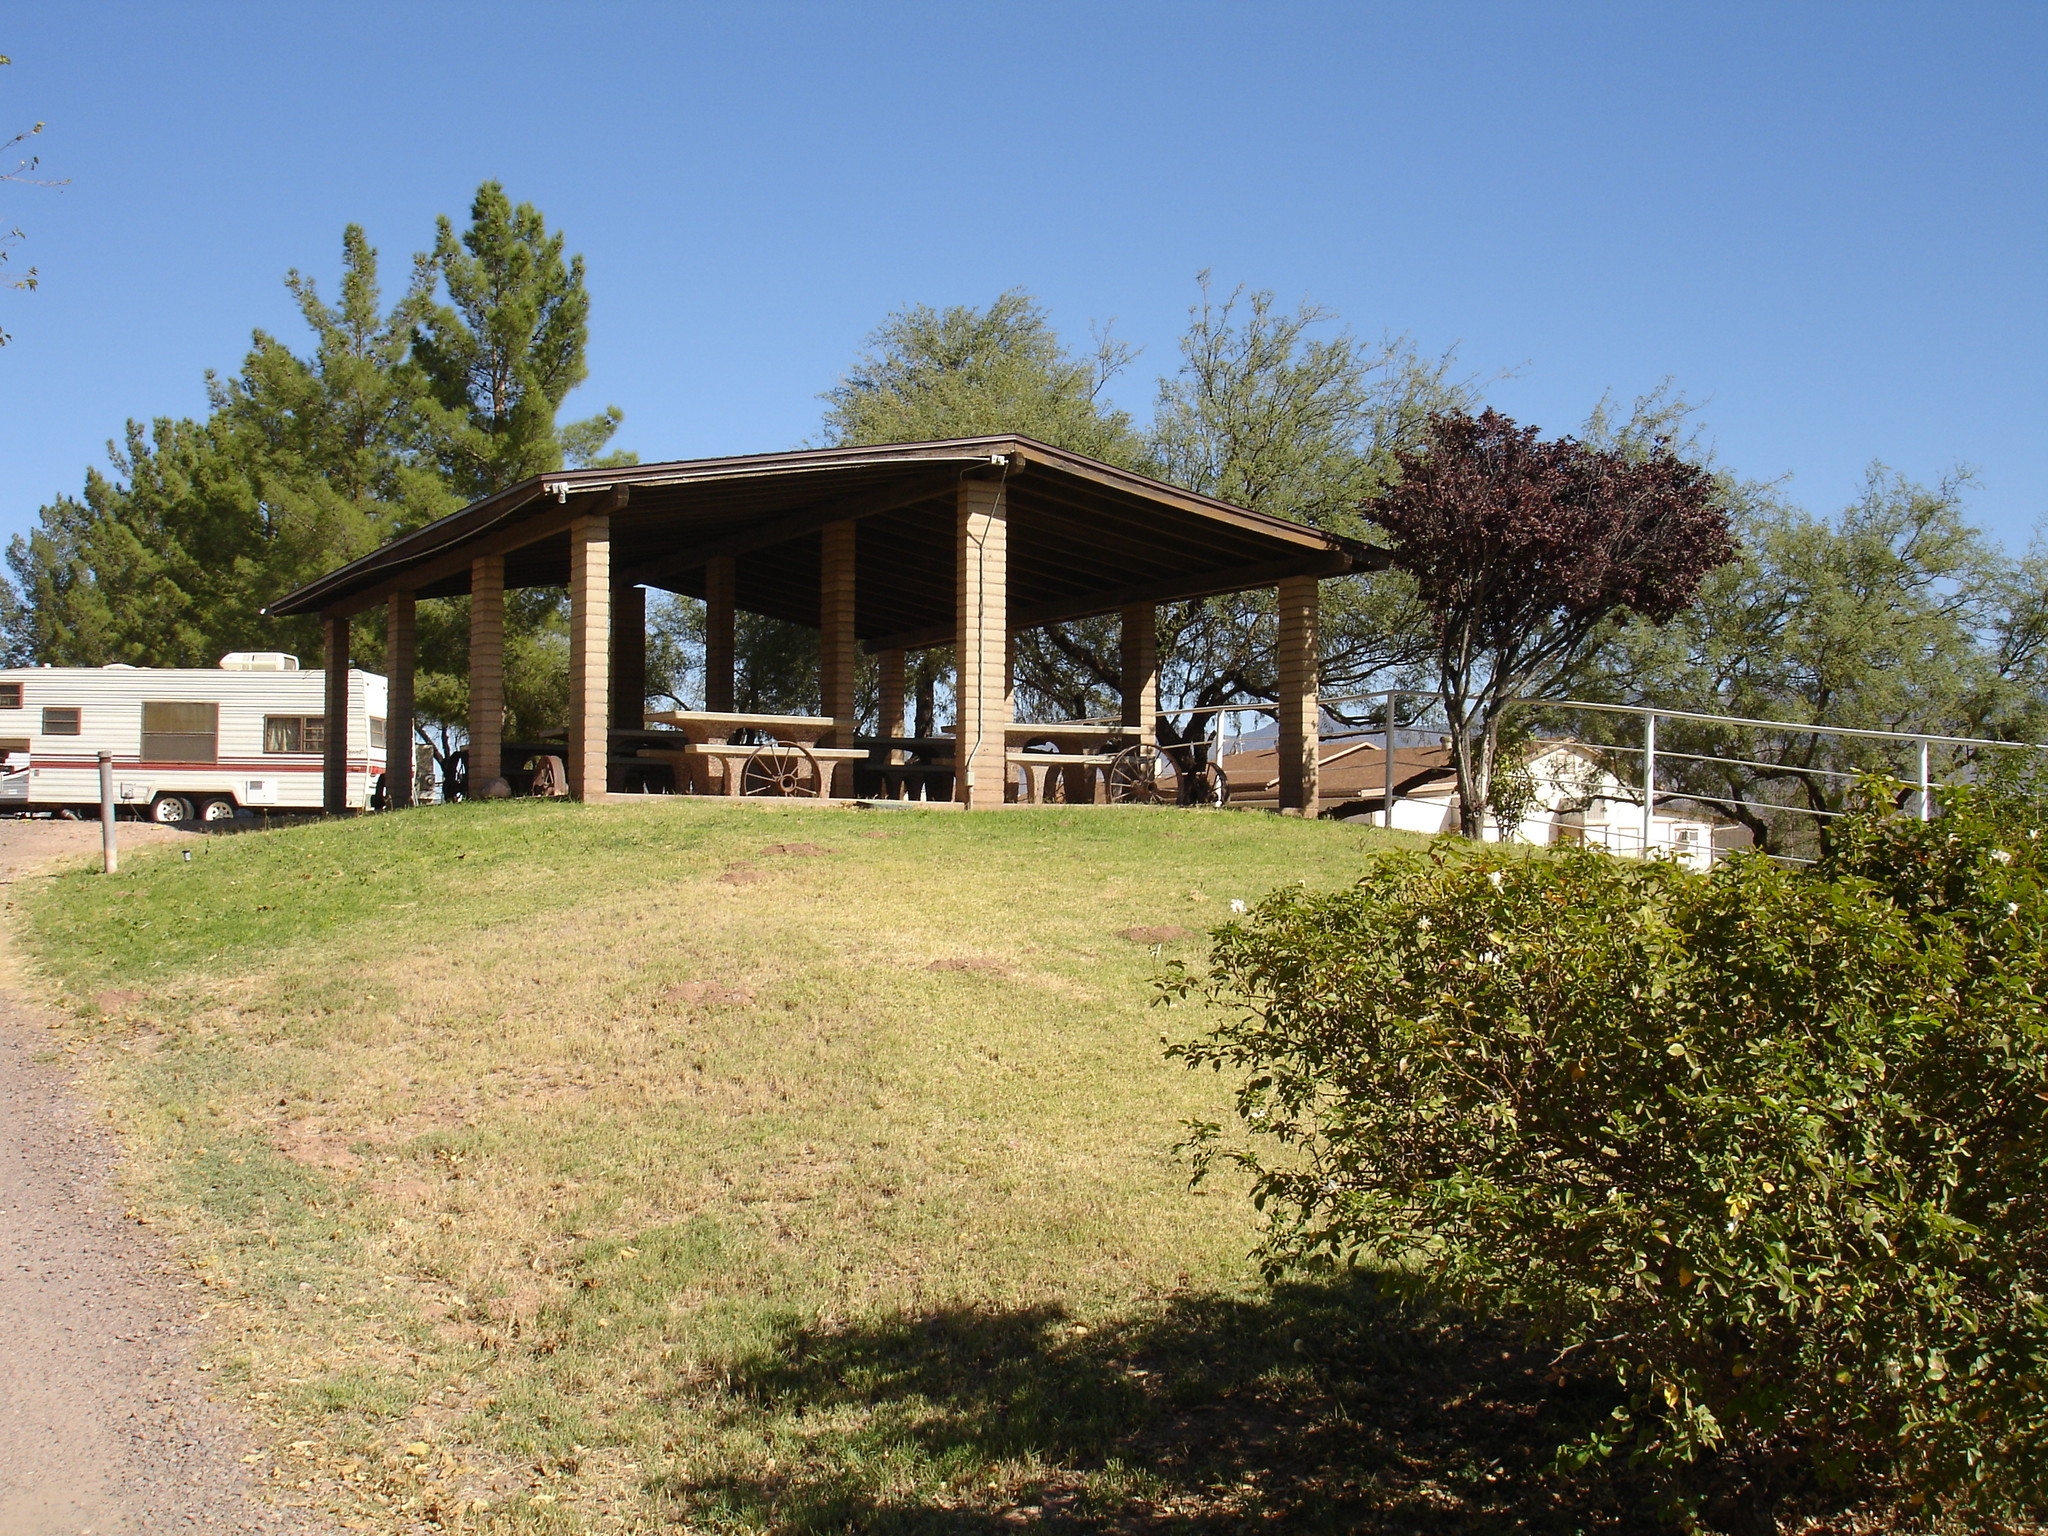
1765, 1144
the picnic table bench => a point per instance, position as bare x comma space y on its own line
780, 757
1061, 763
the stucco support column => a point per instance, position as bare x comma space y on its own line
1300, 744
720, 578
486, 671
981, 647
889, 672
838, 650
400, 632
629, 657
334, 646
590, 653
1140, 647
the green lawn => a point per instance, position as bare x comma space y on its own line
667, 1165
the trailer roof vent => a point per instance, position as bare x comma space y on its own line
258, 661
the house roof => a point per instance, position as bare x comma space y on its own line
1084, 537
1349, 768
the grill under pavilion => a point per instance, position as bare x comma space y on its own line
894, 548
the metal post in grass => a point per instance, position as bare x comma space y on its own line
1649, 777
1926, 785
110, 855
1388, 744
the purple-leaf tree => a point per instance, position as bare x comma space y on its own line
1522, 548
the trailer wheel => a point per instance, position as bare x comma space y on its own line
170, 809
222, 809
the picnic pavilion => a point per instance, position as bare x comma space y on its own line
894, 547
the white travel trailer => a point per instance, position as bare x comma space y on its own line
188, 743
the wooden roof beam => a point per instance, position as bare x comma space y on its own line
1173, 590
795, 525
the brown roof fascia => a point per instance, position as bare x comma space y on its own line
1364, 556
421, 543
478, 516
329, 593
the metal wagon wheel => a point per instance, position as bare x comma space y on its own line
783, 769
1205, 785
1134, 777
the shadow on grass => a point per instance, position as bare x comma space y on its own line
1319, 1408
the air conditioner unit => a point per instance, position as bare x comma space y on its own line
258, 661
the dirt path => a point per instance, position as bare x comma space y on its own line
104, 1424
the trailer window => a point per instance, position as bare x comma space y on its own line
294, 733
60, 722
376, 734
10, 695
180, 733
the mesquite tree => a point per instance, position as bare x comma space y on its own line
1521, 549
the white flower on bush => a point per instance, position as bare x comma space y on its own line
1238, 906
2012, 909
1493, 878
1422, 923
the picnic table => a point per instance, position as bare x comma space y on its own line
779, 754
1061, 762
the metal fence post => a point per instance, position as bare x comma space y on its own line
1649, 777
1387, 742
1926, 785
110, 855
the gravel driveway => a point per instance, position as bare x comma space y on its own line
104, 1424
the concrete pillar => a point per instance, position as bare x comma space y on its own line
720, 577
889, 672
1140, 646
400, 631
1300, 744
486, 671
838, 651
334, 636
590, 653
629, 657
981, 647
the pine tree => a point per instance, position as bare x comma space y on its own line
304, 463
498, 361
156, 565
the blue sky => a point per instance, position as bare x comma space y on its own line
1825, 221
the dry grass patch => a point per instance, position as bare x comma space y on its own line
553, 1178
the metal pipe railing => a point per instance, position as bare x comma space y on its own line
1387, 704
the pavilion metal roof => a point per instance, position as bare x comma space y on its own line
1084, 537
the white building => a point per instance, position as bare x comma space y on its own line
1578, 799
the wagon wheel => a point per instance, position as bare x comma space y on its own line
1205, 786
1134, 777
782, 769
